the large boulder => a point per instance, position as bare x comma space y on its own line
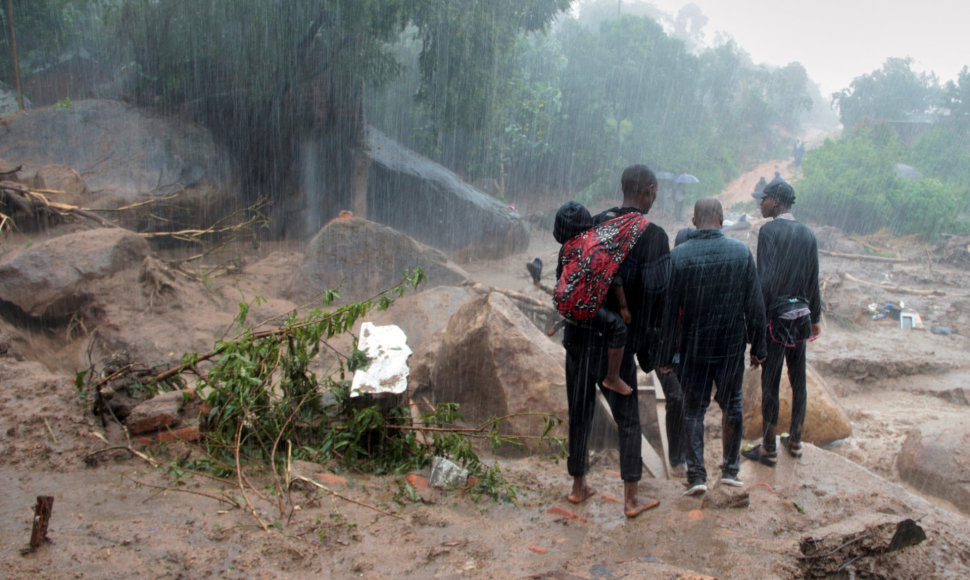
495, 363
124, 156
360, 258
825, 421
935, 459
425, 313
53, 278
430, 203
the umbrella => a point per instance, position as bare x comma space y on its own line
907, 173
686, 178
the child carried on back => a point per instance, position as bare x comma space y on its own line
572, 220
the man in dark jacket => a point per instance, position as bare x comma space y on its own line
714, 308
644, 272
788, 270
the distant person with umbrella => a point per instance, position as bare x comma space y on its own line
680, 193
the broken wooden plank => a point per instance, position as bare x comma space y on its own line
865, 257
42, 517
901, 289
651, 461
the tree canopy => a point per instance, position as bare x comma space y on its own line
893, 93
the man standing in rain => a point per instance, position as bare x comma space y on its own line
644, 272
714, 308
788, 270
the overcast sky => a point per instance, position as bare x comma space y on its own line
839, 40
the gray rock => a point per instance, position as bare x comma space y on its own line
360, 258
123, 155
430, 203
495, 363
421, 315
50, 279
935, 459
159, 412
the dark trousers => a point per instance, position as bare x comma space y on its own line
585, 368
698, 379
794, 356
674, 407
611, 325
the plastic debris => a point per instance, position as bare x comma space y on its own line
387, 348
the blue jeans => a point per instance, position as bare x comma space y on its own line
698, 379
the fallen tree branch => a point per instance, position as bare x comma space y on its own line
865, 257
343, 497
223, 499
239, 478
281, 331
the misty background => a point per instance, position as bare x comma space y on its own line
521, 98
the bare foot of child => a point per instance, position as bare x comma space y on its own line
617, 384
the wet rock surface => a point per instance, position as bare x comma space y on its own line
360, 258
495, 363
825, 420
935, 458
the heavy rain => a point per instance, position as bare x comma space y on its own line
279, 290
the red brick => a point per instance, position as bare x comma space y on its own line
331, 479
190, 433
417, 481
558, 511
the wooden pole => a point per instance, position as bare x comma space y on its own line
13, 55
42, 517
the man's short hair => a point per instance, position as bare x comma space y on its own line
781, 191
636, 176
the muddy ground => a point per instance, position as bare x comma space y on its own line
116, 517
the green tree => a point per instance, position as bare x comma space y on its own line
847, 182
957, 94
267, 75
927, 207
893, 93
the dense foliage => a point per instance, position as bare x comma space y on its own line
525, 95
903, 162
858, 184
599, 92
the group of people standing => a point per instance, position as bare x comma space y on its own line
690, 313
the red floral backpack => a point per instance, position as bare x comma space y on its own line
590, 260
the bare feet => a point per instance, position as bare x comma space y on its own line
617, 384
679, 471
632, 506
581, 491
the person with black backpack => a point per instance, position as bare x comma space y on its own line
788, 270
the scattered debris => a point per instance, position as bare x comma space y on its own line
388, 351
828, 556
42, 517
447, 473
